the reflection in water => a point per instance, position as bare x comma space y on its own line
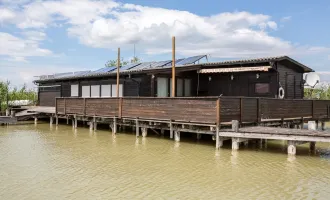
64, 163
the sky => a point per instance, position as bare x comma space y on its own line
45, 37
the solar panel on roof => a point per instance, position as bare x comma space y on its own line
190, 60
80, 73
105, 69
129, 66
178, 60
143, 66
60, 75
160, 64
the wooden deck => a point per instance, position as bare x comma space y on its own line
254, 118
206, 110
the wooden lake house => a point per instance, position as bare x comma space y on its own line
273, 77
207, 98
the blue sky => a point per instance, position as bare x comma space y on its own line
44, 37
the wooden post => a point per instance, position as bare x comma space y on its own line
218, 122
173, 67
137, 129
292, 150
114, 130
144, 132
75, 122
67, 120
323, 126
56, 120
199, 136
94, 123
118, 67
177, 136
73, 125
235, 125
312, 126
217, 138
91, 124
51, 120
35, 120
302, 123
235, 143
171, 129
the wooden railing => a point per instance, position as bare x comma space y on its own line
200, 109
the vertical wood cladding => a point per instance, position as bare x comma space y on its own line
199, 110
47, 98
291, 80
243, 84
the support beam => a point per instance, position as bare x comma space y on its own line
292, 149
56, 120
217, 138
312, 146
323, 126
144, 132
51, 120
137, 129
94, 123
235, 143
75, 122
91, 125
312, 125
171, 130
177, 136
113, 126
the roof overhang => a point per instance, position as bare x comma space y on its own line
236, 69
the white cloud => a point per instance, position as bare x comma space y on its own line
6, 15
286, 19
19, 48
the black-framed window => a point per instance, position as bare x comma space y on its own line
262, 88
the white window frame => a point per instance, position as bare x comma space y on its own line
75, 90
86, 91
114, 90
95, 91
106, 90
163, 93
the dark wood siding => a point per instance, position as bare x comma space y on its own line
243, 84
47, 98
291, 80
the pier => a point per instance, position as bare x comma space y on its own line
239, 119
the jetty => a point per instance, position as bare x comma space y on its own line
239, 119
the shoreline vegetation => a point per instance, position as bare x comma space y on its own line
9, 95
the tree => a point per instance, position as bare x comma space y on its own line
113, 63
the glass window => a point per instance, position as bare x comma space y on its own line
114, 90
179, 87
86, 91
262, 88
74, 90
105, 90
95, 91
162, 85
187, 87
